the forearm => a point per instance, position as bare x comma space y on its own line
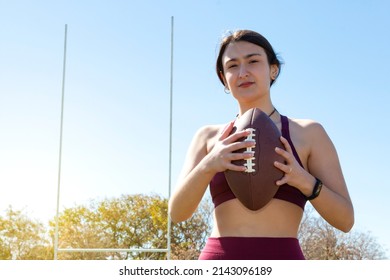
189, 193
334, 203
335, 209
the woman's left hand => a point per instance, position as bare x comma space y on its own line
294, 174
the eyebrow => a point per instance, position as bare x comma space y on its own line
246, 57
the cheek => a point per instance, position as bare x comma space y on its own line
229, 77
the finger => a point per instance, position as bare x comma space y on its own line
241, 145
226, 131
234, 137
283, 153
286, 144
281, 181
238, 156
235, 167
283, 167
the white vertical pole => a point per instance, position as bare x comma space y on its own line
170, 143
60, 150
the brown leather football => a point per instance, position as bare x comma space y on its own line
255, 187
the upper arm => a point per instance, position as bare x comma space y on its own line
198, 148
323, 161
192, 182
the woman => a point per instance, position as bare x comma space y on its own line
248, 66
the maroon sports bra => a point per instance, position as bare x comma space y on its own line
221, 192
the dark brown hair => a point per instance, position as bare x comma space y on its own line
251, 37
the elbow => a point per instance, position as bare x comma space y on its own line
175, 215
348, 223
343, 222
346, 227
172, 215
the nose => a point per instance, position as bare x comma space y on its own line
243, 73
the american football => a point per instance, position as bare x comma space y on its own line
255, 187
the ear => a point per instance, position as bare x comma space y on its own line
274, 70
222, 77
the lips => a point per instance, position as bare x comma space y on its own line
245, 84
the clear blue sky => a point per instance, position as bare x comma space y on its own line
116, 123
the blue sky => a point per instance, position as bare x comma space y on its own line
116, 122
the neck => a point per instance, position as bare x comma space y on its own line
269, 110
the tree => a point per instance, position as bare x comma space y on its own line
189, 237
140, 221
130, 222
134, 222
22, 238
79, 228
321, 241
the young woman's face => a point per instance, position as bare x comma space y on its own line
246, 69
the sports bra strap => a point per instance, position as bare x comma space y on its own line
286, 134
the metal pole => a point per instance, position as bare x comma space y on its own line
170, 143
168, 250
60, 150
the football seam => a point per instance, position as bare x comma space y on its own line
250, 178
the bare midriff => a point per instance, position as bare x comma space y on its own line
277, 219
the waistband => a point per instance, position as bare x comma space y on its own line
252, 248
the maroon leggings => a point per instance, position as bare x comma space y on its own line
252, 248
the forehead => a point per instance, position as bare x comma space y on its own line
241, 49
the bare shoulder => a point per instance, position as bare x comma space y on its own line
201, 144
307, 128
307, 135
208, 135
208, 131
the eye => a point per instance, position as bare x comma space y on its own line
231, 66
253, 61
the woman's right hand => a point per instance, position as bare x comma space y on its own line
224, 151
210, 152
